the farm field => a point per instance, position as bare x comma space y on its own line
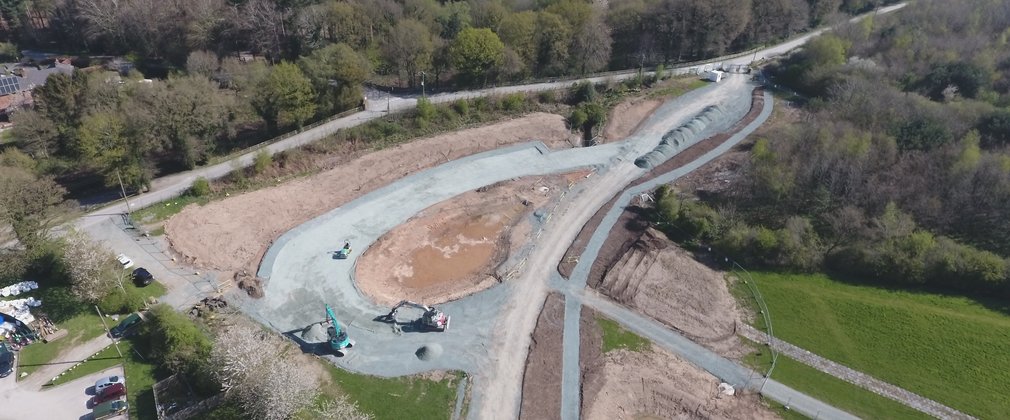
947, 348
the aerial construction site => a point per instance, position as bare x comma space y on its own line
498, 251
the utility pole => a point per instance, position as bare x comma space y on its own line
114, 341
422, 86
123, 190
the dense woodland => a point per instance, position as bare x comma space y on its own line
900, 169
313, 57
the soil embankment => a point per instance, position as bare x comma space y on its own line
542, 379
232, 234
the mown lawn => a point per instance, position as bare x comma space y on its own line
827, 388
398, 398
950, 349
616, 337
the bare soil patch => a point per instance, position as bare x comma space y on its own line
542, 380
233, 233
662, 280
453, 249
625, 118
657, 384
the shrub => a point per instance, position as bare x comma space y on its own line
577, 119
425, 110
513, 102
262, 161
582, 92
660, 73
200, 187
547, 97
461, 106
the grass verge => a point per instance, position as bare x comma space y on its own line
827, 388
930, 344
616, 337
416, 397
165, 209
80, 328
676, 86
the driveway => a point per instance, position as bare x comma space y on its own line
65, 402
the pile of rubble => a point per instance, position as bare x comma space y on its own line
208, 307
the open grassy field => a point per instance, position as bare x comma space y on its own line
950, 349
827, 388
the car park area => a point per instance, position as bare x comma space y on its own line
72, 400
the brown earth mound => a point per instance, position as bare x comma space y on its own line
655, 384
661, 280
542, 380
232, 234
452, 249
627, 116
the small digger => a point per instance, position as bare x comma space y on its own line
432, 319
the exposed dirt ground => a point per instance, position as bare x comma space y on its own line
232, 234
627, 116
542, 380
452, 249
665, 282
656, 384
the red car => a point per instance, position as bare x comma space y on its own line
113, 392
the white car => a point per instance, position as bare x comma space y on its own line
107, 382
124, 260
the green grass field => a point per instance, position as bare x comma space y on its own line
950, 349
616, 337
415, 398
827, 388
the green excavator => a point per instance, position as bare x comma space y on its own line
339, 341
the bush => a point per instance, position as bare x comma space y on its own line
547, 97
176, 341
513, 102
262, 161
582, 92
425, 110
660, 73
461, 106
200, 187
577, 119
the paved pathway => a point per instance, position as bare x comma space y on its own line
64, 361
857, 378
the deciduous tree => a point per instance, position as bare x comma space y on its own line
476, 52
90, 266
285, 94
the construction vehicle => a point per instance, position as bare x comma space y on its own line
432, 319
339, 341
344, 252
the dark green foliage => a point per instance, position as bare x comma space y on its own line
182, 346
922, 134
200, 187
995, 129
582, 92
513, 102
958, 78
425, 110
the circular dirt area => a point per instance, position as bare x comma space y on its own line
453, 249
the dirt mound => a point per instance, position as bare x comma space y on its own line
542, 380
429, 352
663, 281
453, 249
658, 384
233, 233
627, 116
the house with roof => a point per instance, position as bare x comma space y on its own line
17, 80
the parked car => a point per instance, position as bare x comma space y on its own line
113, 392
125, 261
6, 361
126, 324
108, 409
107, 382
142, 277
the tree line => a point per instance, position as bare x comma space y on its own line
900, 169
